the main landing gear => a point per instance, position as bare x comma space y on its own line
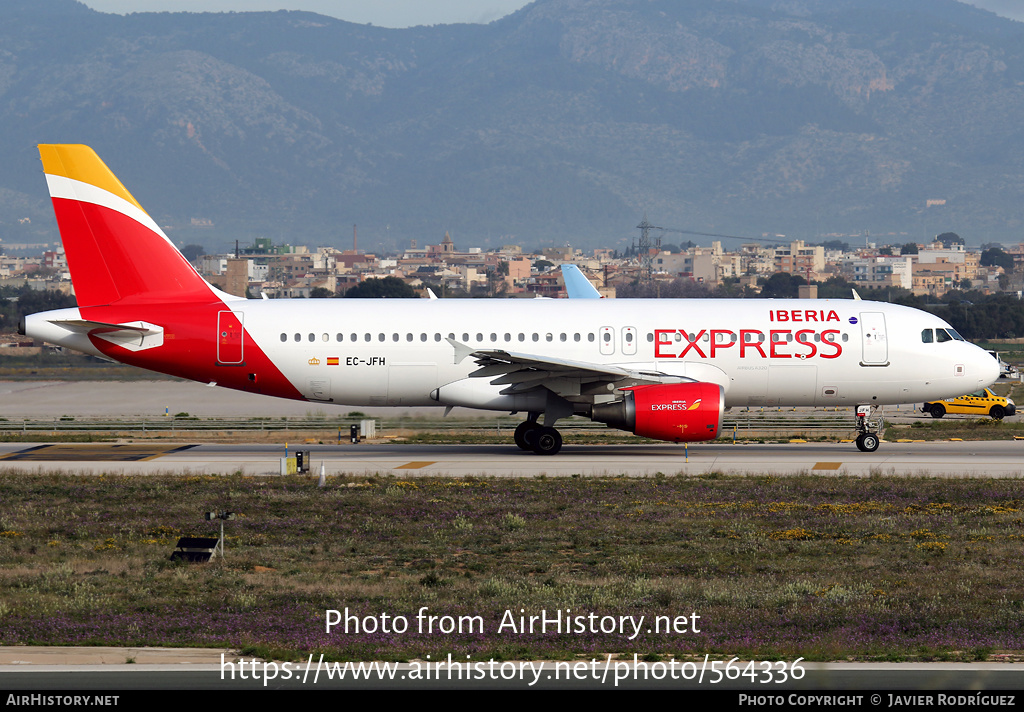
531, 435
867, 439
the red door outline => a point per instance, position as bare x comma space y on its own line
230, 338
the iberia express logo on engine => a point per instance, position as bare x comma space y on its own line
676, 405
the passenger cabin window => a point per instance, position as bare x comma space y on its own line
284, 337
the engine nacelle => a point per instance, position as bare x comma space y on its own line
677, 412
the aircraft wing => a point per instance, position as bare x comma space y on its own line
522, 371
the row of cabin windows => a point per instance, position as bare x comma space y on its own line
437, 337
720, 337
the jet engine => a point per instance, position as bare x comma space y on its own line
677, 412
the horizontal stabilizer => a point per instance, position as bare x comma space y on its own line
84, 326
137, 336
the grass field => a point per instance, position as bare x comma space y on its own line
823, 568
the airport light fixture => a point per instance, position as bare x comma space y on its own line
222, 516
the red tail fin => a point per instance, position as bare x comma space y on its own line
115, 251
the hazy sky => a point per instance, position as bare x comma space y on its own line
398, 13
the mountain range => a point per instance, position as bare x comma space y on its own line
564, 122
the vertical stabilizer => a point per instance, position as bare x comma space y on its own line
115, 251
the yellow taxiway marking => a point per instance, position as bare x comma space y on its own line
98, 452
415, 465
827, 465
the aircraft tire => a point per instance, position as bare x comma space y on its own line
938, 411
525, 433
547, 441
997, 412
868, 442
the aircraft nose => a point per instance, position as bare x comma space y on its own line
985, 368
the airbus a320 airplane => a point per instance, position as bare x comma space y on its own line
663, 369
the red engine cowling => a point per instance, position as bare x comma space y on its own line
677, 412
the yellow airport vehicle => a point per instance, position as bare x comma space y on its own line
983, 402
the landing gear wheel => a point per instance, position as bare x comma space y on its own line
547, 441
526, 433
867, 438
867, 442
938, 410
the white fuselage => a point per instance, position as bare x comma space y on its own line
763, 352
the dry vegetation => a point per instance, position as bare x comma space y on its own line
819, 567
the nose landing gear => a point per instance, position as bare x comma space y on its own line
867, 438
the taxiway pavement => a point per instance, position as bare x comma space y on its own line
941, 459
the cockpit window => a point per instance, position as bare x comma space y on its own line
955, 335
942, 335
927, 337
